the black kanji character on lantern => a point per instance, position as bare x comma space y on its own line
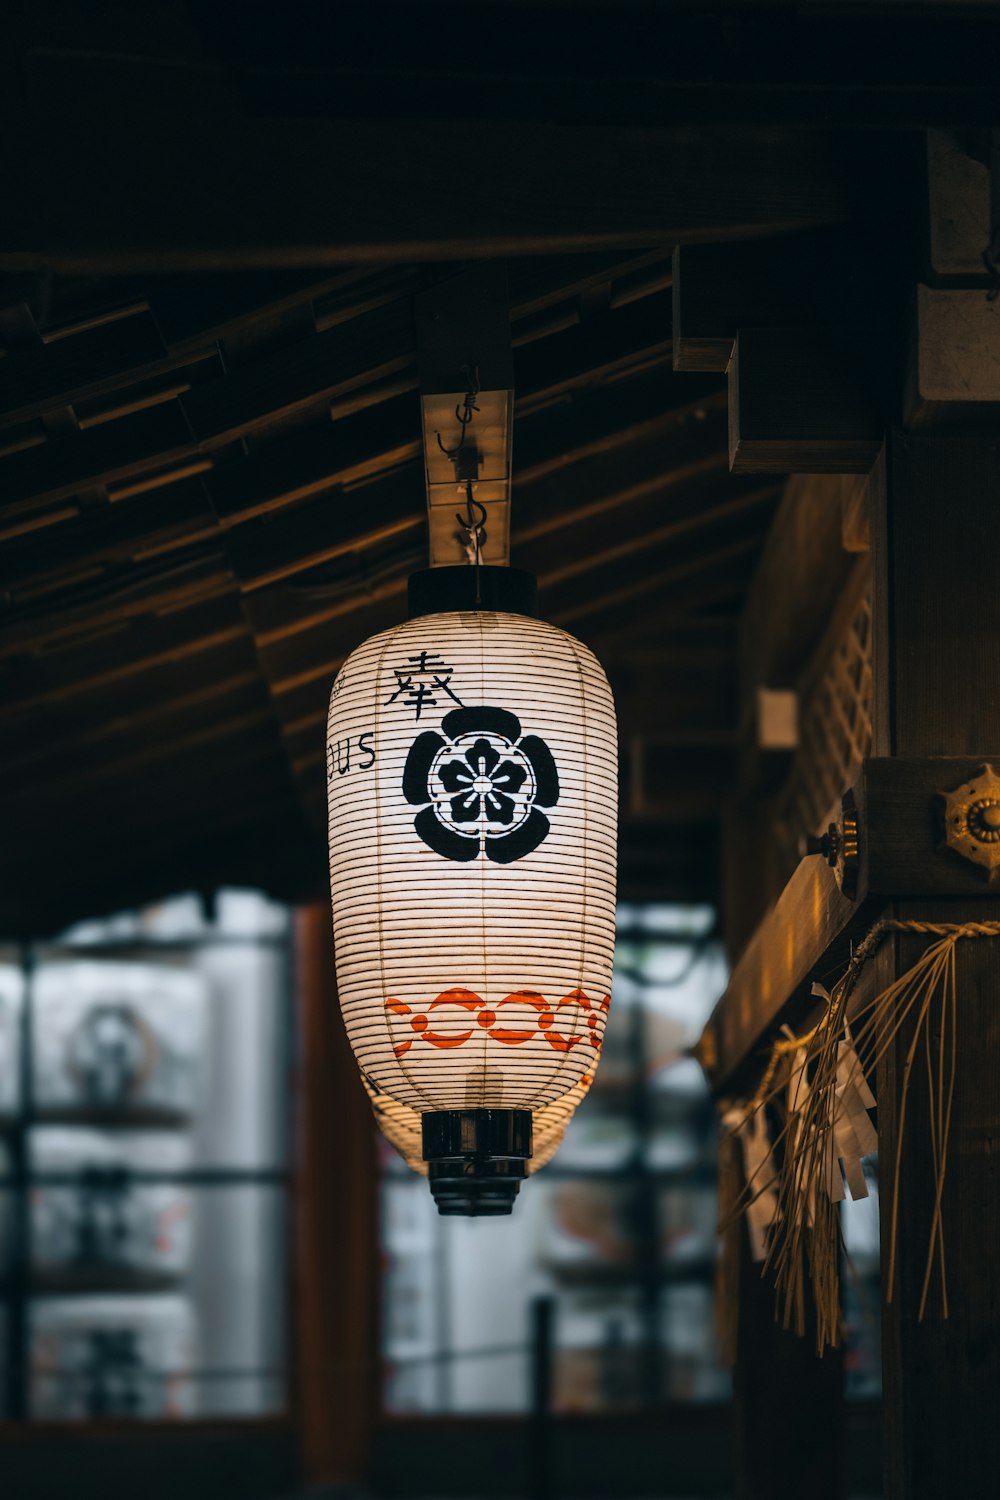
481, 786
412, 681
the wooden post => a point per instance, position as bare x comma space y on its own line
938, 667
801, 577
337, 1254
787, 1401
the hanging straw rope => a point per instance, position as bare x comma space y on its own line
817, 1085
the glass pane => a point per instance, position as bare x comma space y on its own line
212, 1345
691, 1362
111, 1357
11, 1001
95, 1222
117, 1041
600, 1360
241, 1114
236, 1288
195, 1043
151, 1124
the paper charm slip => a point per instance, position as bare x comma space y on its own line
853, 1135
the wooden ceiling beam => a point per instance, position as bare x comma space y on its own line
731, 61
287, 192
333, 525
683, 585
311, 653
277, 473
697, 610
329, 527
100, 742
178, 322
86, 366
134, 647
71, 874
551, 442
64, 466
663, 521
197, 312
729, 564
302, 375
629, 339
219, 767
611, 416
537, 285
167, 520
106, 603
394, 508
278, 613
149, 708
188, 733
640, 477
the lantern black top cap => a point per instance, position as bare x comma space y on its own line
435, 591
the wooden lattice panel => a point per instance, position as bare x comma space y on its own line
835, 711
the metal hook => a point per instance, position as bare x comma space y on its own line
463, 413
468, 522
475, 529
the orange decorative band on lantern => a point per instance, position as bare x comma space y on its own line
487, 1020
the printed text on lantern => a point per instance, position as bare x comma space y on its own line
488, 1020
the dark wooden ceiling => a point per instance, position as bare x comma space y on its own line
212, 490
210, 480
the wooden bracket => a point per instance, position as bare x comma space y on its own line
896, 813
953, 376
467, 410
801, 401
809, 279
796, 323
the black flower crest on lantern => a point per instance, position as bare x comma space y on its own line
481, 786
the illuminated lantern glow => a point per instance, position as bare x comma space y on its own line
473, 792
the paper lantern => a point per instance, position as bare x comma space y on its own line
473, 792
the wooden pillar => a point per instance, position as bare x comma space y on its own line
938, 669
795, 593
337, 1250
787, 1401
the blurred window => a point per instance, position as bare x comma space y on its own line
861, 1296
143, 1165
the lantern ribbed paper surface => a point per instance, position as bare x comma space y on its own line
473, 791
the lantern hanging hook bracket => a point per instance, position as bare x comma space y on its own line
475, 527
464, 413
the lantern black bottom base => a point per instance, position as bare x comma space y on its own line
471, 1189
476, 1159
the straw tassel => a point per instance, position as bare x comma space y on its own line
821, 1082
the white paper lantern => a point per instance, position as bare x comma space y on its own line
473, 792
